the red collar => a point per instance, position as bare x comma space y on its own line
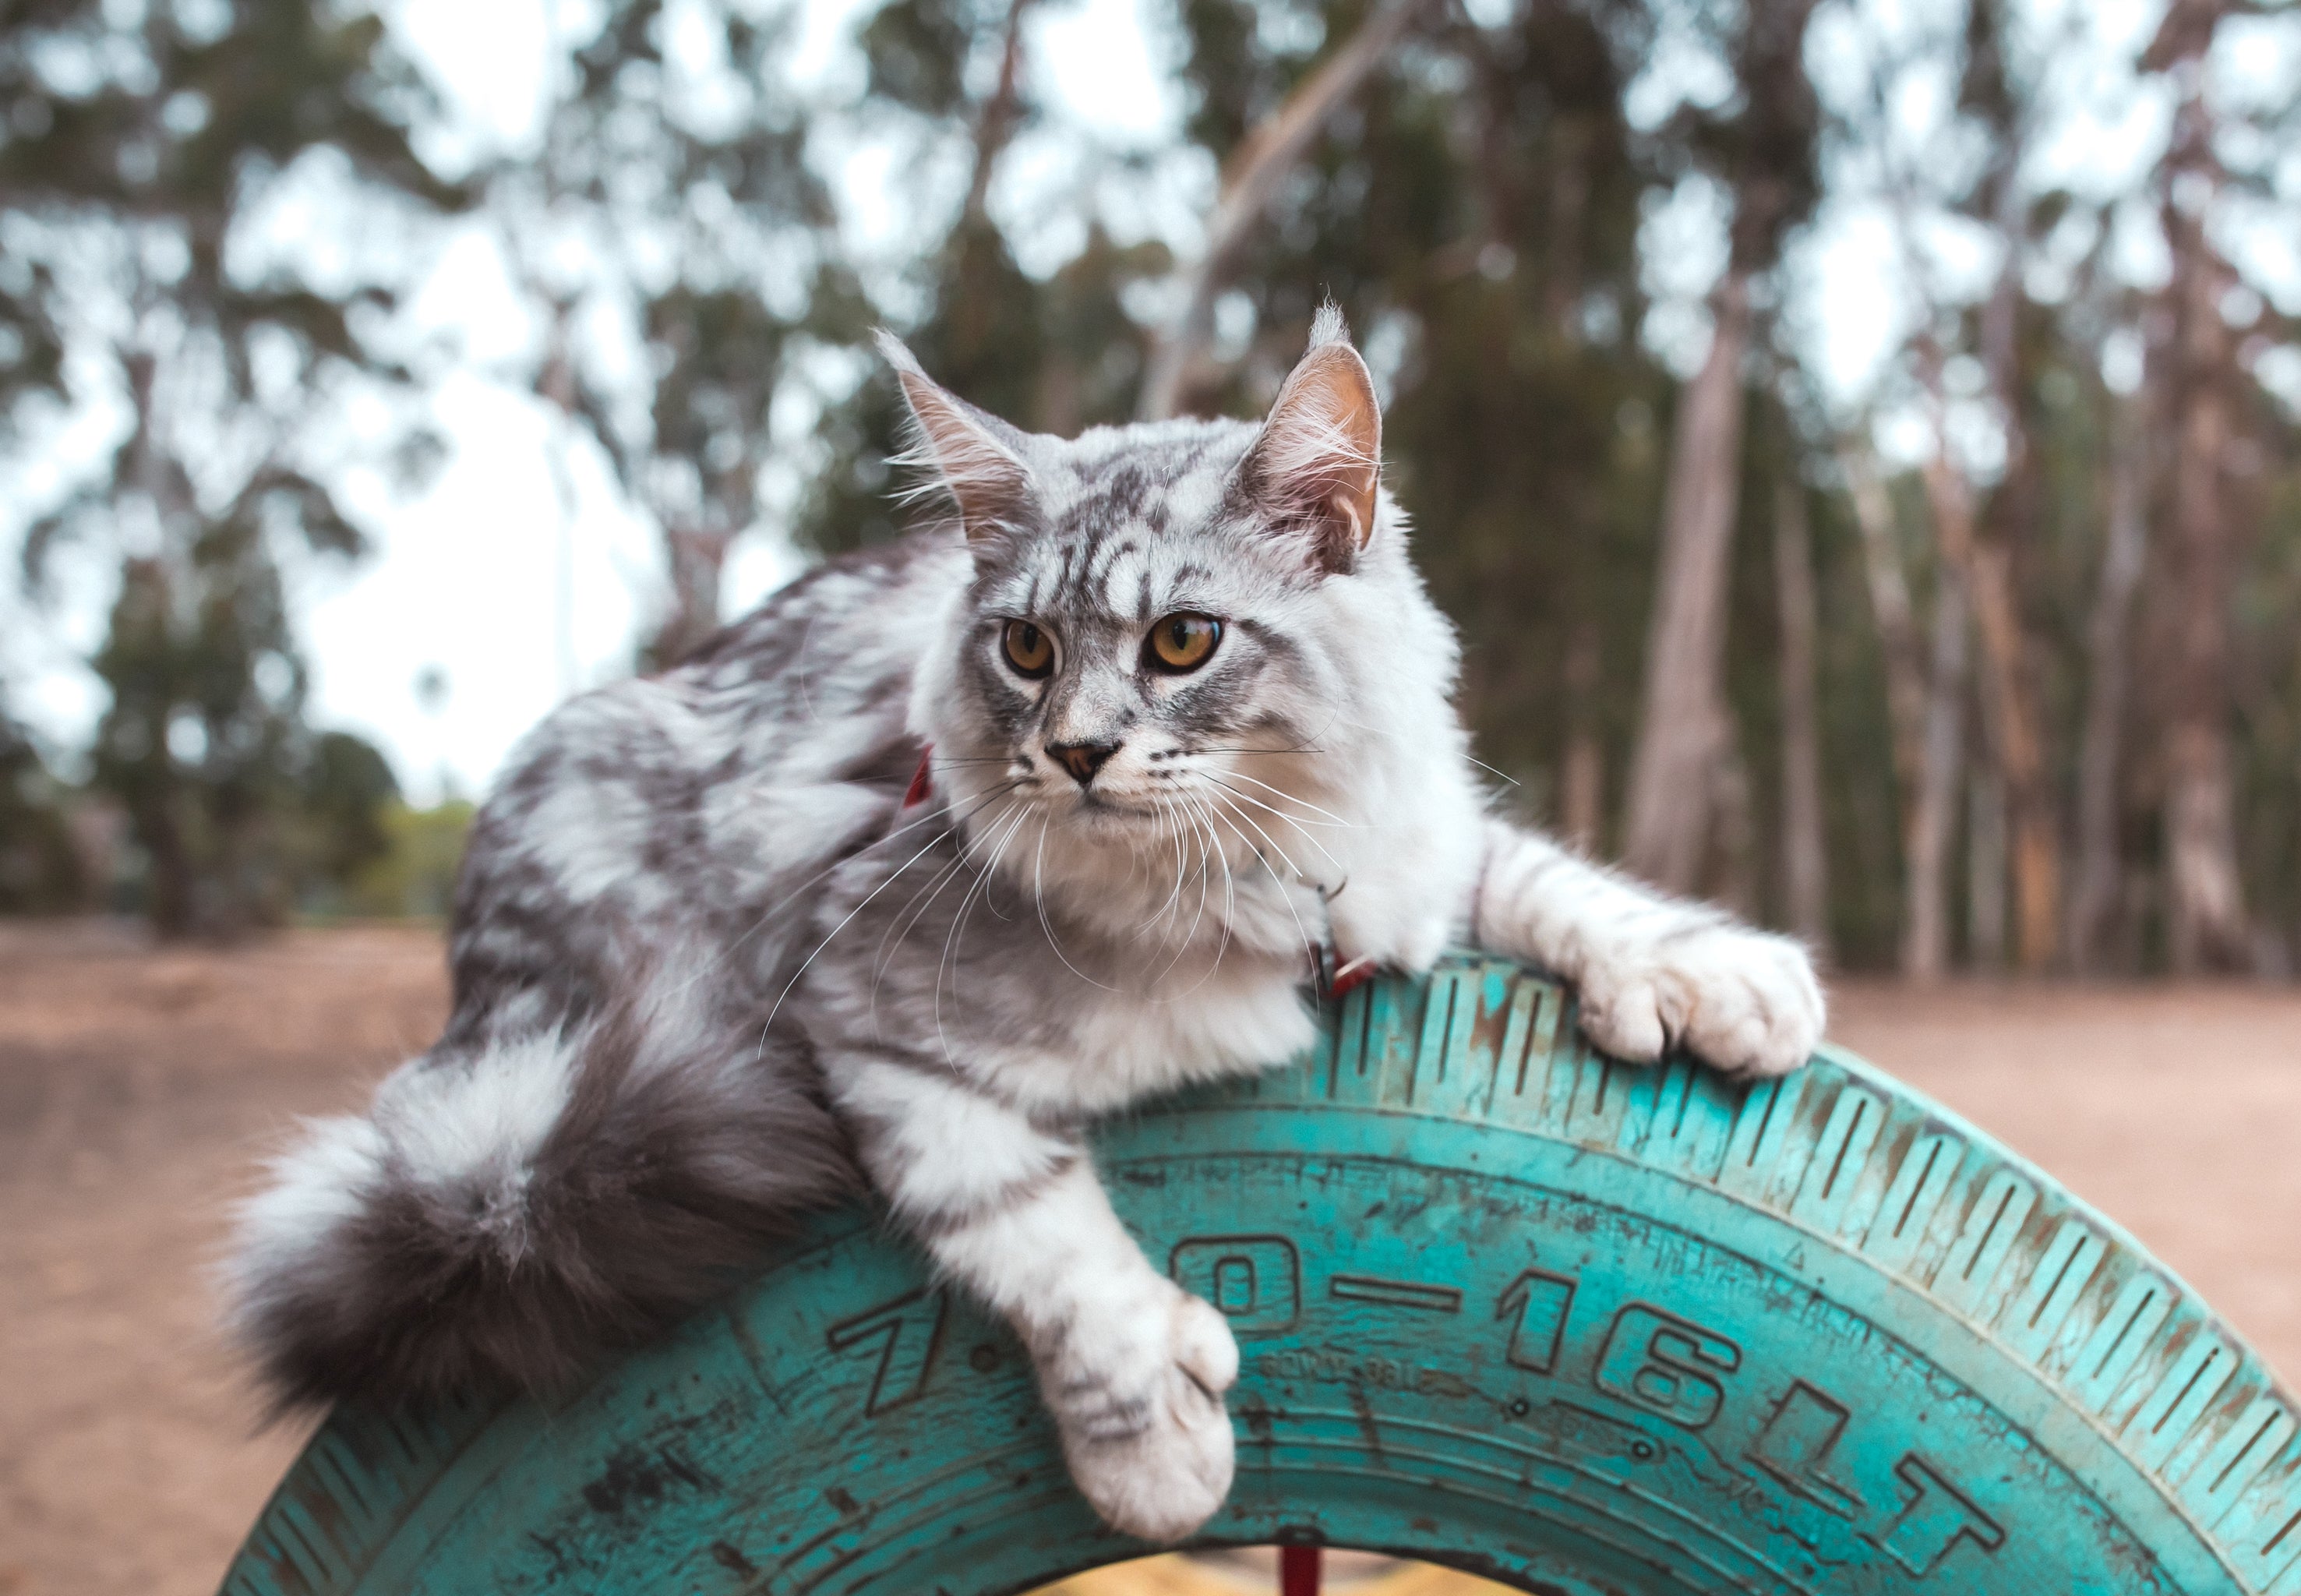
1331, 978
922, 785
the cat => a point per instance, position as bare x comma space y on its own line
950, 847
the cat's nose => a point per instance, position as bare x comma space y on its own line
1082, 759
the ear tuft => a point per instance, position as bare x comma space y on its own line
1316, 467
969, 455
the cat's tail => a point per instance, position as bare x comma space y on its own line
505, 1217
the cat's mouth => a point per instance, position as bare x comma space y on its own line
1102, 805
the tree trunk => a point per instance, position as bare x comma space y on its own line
1732, 877
1925, 930
1897, 630
698, 558
1254, 172
2015, 720
1582, 797
2016, 740
1985, 871
1682, 723
2205, 899
555, 384
2093, 904
1002, 114
1805, 859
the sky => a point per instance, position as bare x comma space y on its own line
466, 579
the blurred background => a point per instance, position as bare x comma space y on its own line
1859, 440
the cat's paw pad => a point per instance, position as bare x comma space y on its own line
1154, 1457
1740, 1000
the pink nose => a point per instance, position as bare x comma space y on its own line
1082, 759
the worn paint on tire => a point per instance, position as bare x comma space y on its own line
1583, 1328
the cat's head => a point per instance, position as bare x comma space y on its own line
1174, 628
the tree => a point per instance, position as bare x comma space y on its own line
40, 870
141, 146
1055, 353
677, 243
2198, 376
1250, 180
1805, 852
1764, 151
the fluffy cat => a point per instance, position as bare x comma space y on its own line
948, 848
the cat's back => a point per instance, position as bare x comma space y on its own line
697, 794
811, 685
828, 659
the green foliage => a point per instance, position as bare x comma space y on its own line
41, 872
1476, 208
138, 141
236, 809
349, 792
413, 877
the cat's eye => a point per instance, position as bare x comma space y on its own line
1030, 651
1182, 641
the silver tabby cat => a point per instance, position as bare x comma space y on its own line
949, 848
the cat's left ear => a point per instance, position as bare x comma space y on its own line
1316, 470
976, 457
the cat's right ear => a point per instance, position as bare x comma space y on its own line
973, 456
1316, 469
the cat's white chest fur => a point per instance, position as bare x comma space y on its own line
1250, 1013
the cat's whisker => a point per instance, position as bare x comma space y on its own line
768, 1024
898, 929
1230, 804
956, 936
1235, 796
1293, 797
1206, 872
1482, 765
1284, 897
766, 917
1218, 747
1230, 904
1168, 823
1039, 891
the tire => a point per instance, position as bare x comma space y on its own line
1578, 1327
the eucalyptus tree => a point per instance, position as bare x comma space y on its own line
678, 246
1760, 148
948, 92
198, 208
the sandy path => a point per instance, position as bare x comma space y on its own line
134, 1086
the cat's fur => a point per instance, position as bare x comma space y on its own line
711, 967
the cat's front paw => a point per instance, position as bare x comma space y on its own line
1741, 1000
1149, 1445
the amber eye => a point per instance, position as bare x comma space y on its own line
1182, 642
1029, 650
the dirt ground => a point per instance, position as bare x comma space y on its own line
135, 1086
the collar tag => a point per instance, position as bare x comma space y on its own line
1332, 979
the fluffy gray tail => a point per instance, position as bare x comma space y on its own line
506, 1218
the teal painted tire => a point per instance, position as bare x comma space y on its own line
1579, 1327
